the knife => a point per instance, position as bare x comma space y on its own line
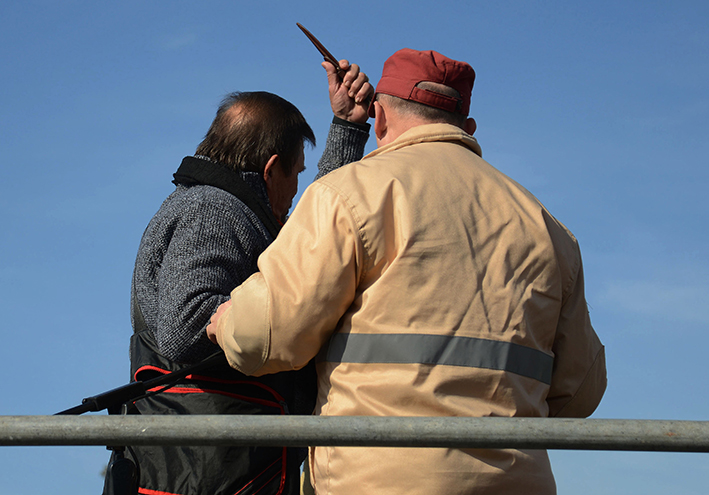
323, 51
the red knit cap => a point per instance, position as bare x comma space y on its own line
406, 68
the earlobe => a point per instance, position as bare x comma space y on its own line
380, 121
470, 126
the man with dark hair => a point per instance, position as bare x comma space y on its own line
251, 127
427, 283
229, 204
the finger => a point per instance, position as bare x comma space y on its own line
344, 65
212, 331
358, 83
366, 92
360, 88
332, 77
329, 68
351, 75
221, 309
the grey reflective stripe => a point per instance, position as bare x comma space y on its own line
439, 350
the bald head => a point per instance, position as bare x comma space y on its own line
250, 127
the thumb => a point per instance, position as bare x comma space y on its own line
332, 78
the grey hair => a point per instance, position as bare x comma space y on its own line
425, 112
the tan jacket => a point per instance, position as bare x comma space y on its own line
435, 286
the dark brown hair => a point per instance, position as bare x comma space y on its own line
250, 127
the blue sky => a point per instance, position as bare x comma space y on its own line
601, 109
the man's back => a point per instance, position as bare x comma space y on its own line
180, 249
462, 276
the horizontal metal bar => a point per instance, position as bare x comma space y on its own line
520, 433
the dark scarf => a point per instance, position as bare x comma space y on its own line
198, 171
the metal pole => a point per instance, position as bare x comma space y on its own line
520, 433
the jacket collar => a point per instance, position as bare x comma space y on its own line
431, 133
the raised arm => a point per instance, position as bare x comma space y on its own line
349, 130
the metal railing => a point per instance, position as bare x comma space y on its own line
455, 432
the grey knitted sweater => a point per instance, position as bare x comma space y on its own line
202, 243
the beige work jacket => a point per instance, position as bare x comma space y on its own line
427, 283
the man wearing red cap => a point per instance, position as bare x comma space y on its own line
427, 283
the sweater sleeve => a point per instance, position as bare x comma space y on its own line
213, 247
345, 144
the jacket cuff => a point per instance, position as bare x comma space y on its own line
589, 394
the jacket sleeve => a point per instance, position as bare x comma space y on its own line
308, 277
579, 374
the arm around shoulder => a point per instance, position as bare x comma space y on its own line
280, 317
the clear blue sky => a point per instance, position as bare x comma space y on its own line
601, 109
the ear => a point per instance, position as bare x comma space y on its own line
470, 126
268, 170
380, 121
